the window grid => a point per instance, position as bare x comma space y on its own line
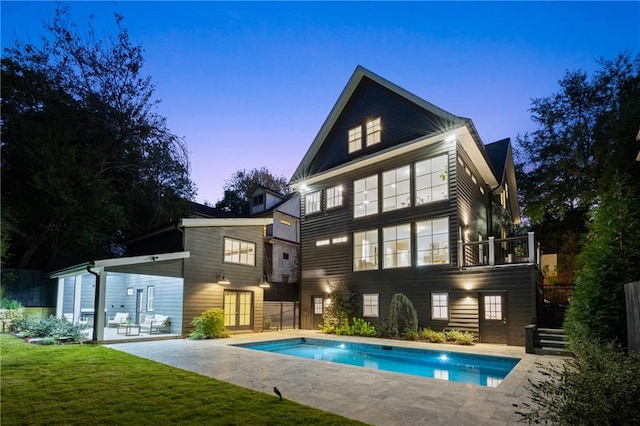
334, 197
431, 180
365, 196
370, 305
236, 251
312, 202
365, 250
321, 243
373, 131
493, 307
433, 242
440, 306
355, 139
397, 246
396, 189
317, 305
339, 240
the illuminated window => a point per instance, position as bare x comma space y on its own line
397, 246
431, 181
432, 241
312, 202
373, 131
151, 296
355, 139
334, 196
440, 306
321, 243
318, 305
365, 196
285, 222
236, 251
396, 189
493, 308
370, 305
365, 250
339, 240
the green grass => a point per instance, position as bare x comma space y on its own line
95, 385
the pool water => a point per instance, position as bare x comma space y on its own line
483, 370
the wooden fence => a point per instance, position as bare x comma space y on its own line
632, 296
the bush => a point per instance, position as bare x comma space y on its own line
344, 330
266, 323
432, 336
600, 386
412, 335
459, 337
48, 330
403, 317
10, 304
363, 328
209, 325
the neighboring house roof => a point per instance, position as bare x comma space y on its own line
436, 124
204, 211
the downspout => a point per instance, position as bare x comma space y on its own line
95, 303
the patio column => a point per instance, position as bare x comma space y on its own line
60, 298
77, 296
99, 319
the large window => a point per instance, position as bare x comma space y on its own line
432, 182
397, 246
365, 196
432, 241
440, 306
373, 131
365, 250
355, 139
396, 189
236, 251
312, 202
370, 305
334, 196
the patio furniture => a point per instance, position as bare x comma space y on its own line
119, 318
154, 323
129, 328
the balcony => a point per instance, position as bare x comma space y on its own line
499, 252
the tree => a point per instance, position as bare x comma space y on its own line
86, 160
236, 189
610, 259
403, 317
341, 307
586, 132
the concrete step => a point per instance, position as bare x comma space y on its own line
551, 331
553, 343
556, 337
553, 351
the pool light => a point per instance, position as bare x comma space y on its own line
444, 357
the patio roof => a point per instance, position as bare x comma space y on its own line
104, 264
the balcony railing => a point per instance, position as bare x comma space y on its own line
506, 251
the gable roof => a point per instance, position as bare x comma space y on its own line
497, 153
501, 157
441, 124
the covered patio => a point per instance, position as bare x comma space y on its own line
130, 289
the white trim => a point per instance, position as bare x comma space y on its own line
199, 223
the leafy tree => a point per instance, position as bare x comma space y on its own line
610, 259
86, 159
586, 132
236, 189
403, 318
342, 306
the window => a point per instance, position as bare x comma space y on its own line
285, 256
440, 306
355, 139
433, 241
334, 197
318, 305
365, 196
395, 189
493, 307
370, 305
431, 180
150, 297
285, 222
365, 250
321, 243
397, 246
236, 251
258, 199
339, 240
312, 202
129, 291
373, 131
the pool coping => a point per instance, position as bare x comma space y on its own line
371, 396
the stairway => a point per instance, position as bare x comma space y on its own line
551, 341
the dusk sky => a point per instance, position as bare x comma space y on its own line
250, 84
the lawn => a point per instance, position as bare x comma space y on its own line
92, 384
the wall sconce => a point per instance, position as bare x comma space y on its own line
221, 279
263, 282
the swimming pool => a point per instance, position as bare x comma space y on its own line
483, 370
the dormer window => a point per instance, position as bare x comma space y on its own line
355, 139
373, 131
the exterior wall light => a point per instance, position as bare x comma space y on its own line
221, 279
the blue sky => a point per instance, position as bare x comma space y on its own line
249, 84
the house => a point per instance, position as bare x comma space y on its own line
400, 196
177, 270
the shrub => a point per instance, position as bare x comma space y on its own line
344, 330
459, 337
342, 304
10, 304
600, 386
209, 325
432, 336
412, 335
363, 328
48, 330
402, 316
266, 323
327, 328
